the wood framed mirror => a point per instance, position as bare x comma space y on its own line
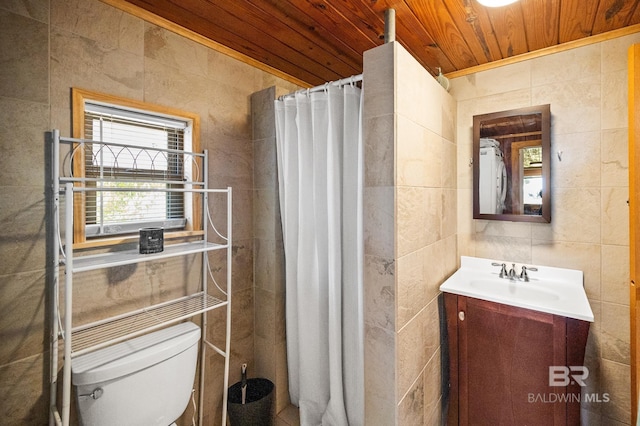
512, 165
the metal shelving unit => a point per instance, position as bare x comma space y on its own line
84, 338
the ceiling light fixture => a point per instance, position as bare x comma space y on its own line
495, 3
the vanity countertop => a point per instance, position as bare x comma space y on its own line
557, 291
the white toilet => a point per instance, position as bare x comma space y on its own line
141, 382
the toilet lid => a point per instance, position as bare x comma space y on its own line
133, 355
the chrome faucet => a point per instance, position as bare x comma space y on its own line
512, 272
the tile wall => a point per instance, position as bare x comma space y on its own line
410, 235
587, 90
270, 339
47, 47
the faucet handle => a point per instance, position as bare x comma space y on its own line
523, 274
503, 270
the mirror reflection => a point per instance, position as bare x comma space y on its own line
511, 165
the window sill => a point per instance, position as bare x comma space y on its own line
129, 239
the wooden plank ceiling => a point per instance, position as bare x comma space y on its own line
316, 41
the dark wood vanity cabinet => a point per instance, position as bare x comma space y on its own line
499, 359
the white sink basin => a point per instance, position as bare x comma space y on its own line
556, 291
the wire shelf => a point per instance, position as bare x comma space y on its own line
104, 333
126, 257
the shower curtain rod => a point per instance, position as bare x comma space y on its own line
341, 82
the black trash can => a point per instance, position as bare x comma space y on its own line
256, 411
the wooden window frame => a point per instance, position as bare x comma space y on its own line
79, 96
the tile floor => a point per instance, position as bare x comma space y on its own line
288, 417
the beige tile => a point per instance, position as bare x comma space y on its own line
24, 50
575, 216
262, 113
449, 164
230, 71
501, 100
77, 61
433, 209
229, 111
265, 356
282, 379
107, 26
464, 159
412, 218
418, 93
280, 320
593, 388
614, 100
575, 105
379, 78
22, 300
449, 119
379, 375
575, 65
269, 266
491, 82
379, 216
465, 222
615, 381
212, 408
411, 354
380, 292
614, 52
175, 51
290, 415
265, 311
419, 155
503, 228
34, 9
411, 406
437, 259
21, 141
413, 91
449, 213
432, 328
24, 227
583, 257
615, 158
615, 274
615, 216
433, 384
379, 150
24, 400
410, 290
580, 153
231, 164
242, 265
615, 332
264, 212
509, 249
435, 417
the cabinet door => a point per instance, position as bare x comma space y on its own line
504, 358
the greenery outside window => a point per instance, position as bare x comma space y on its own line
161, 137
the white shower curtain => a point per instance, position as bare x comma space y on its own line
320, 171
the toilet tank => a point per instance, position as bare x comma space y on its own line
143, 382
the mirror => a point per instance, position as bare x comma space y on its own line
512, 165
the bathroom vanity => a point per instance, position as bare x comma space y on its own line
516, 347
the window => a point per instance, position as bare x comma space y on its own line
146, 152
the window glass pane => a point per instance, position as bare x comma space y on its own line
132, 153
